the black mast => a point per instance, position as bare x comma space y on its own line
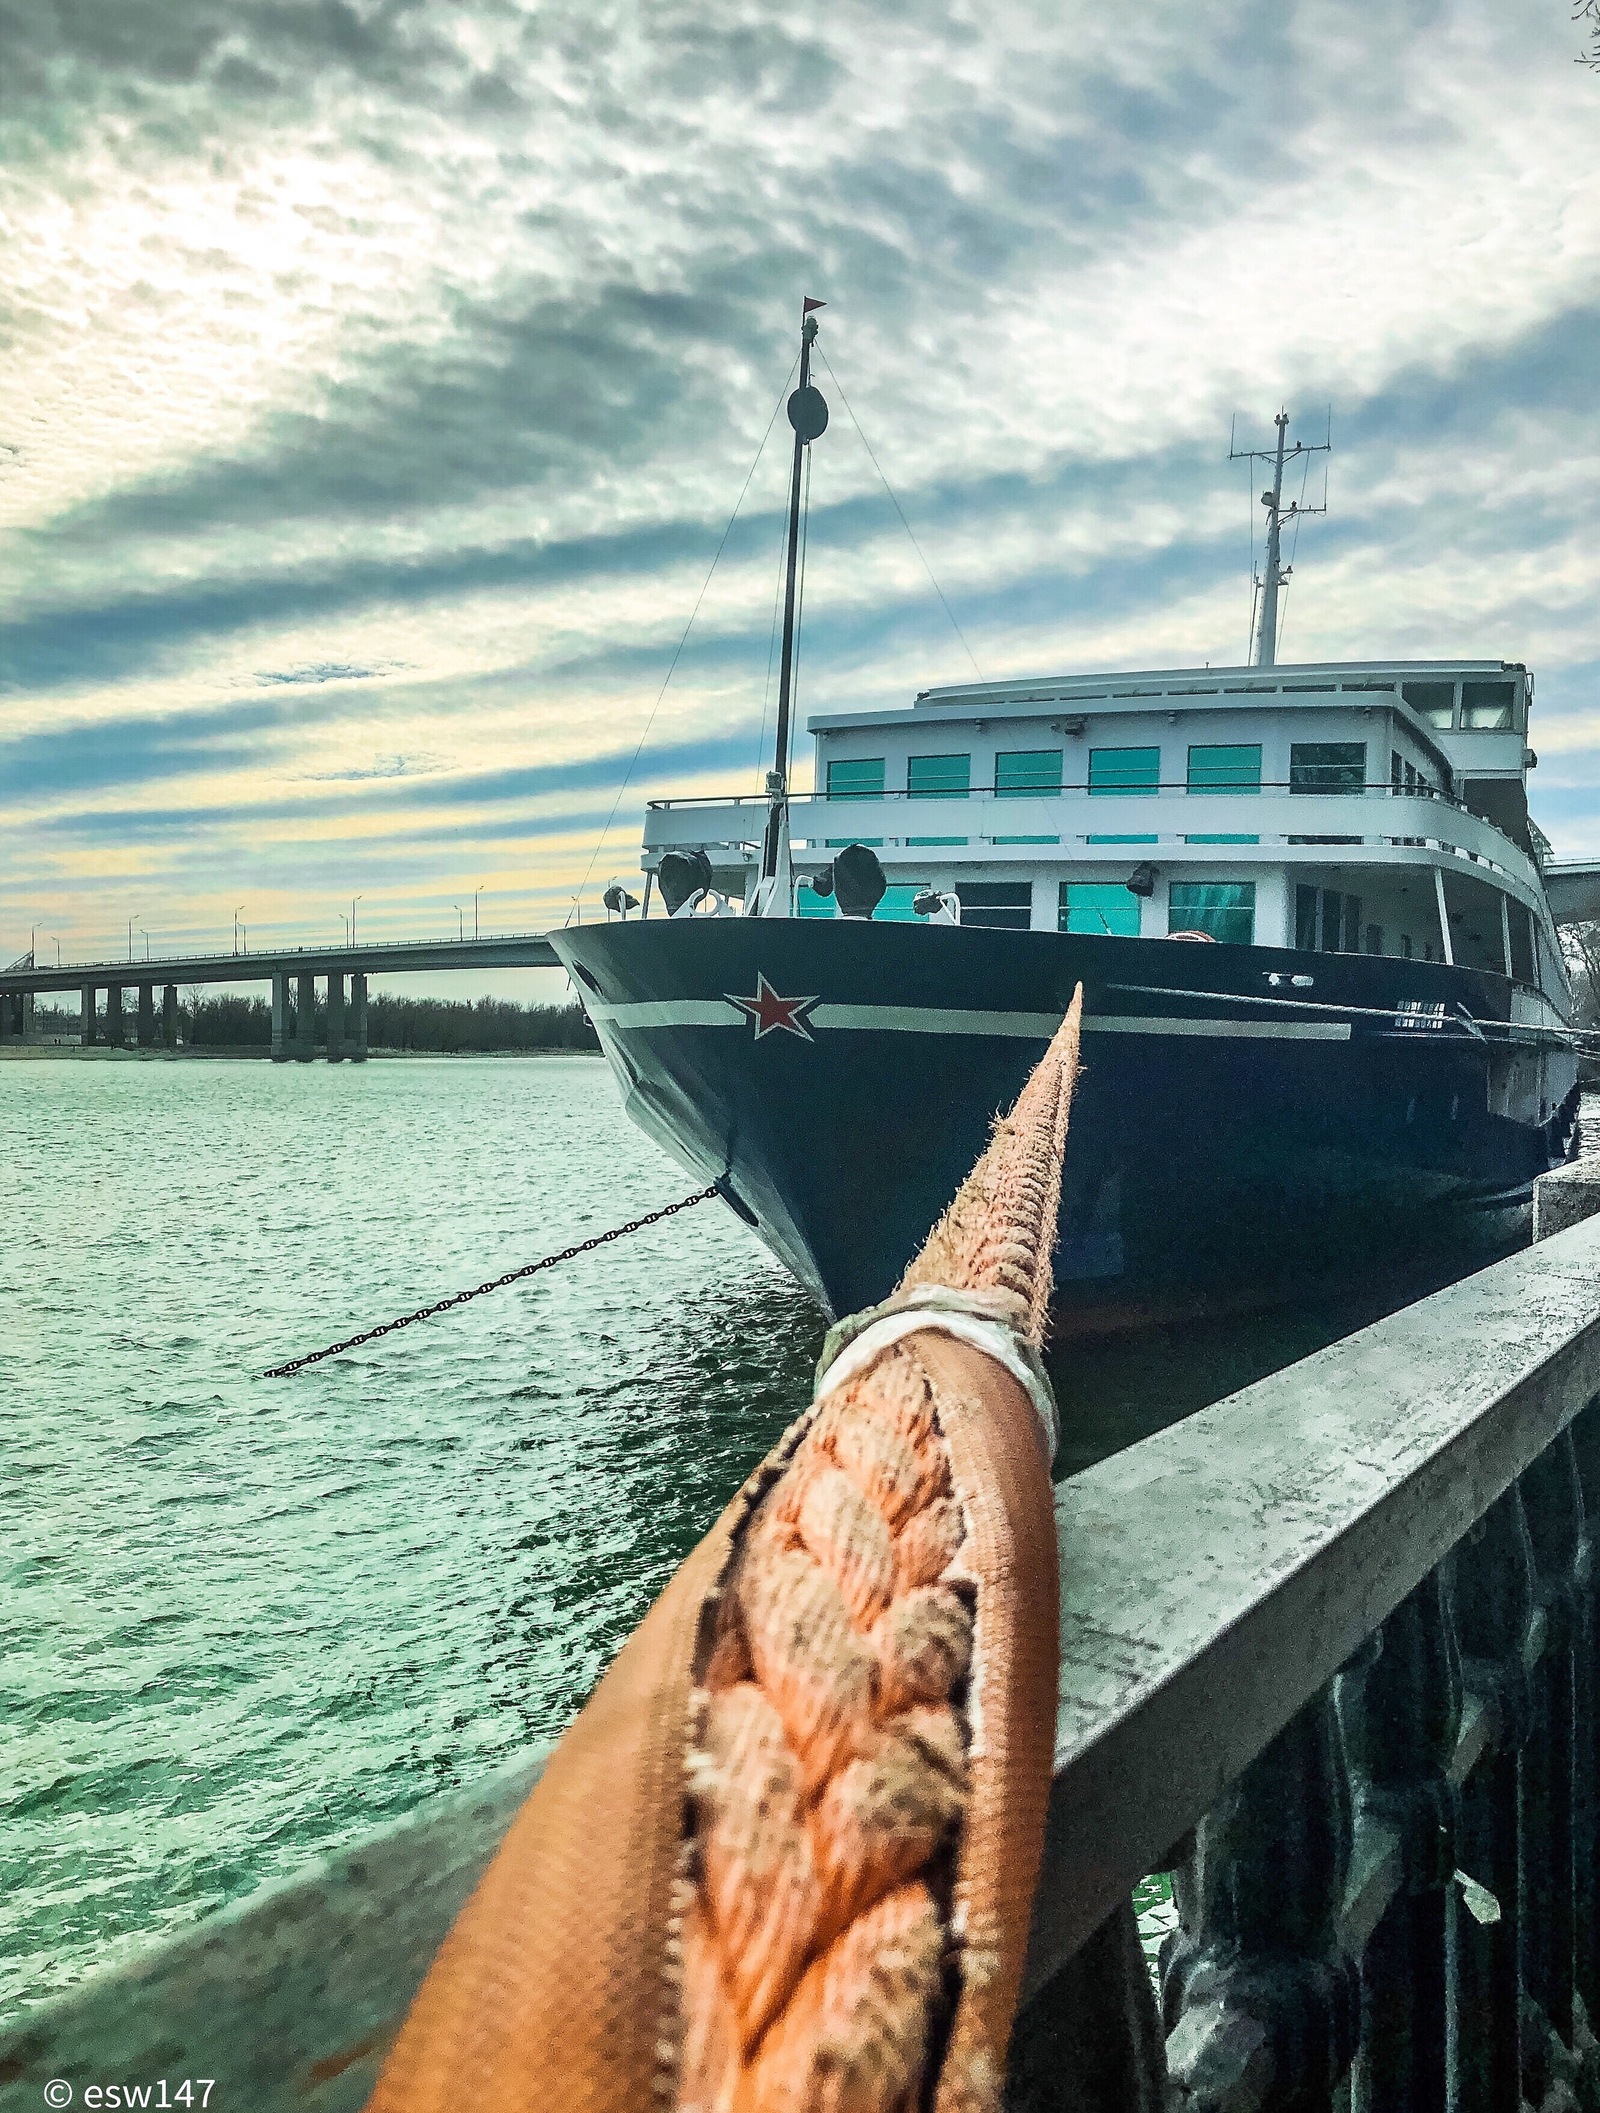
808, 414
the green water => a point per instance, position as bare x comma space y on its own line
243, 1621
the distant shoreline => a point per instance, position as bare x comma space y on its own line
30, 1052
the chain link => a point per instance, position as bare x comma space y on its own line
512, 1276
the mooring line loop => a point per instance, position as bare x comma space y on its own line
512, 1276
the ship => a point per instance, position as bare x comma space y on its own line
1327, 1026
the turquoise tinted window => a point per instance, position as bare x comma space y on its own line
838, 843
1327, 766
1222, 840
895, 907
939, 777
1025, 770
915, 841
1121, 840
858, 778
1025, 840
810, 904
1224, 908
1219, 768
1097, 906
1124, 769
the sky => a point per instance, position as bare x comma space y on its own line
378, 379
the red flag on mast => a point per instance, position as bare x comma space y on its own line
808, 304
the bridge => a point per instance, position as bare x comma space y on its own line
293, 973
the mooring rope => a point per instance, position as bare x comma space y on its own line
784, 1860
512, 1276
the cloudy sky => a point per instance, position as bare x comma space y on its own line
379, 377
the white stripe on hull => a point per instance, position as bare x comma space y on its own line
928, 1019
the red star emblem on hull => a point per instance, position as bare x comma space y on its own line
769, 1012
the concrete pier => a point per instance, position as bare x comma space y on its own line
336, 1017
280, 1017
305, 1026
169, 1016
358, 1017
114, 1015
86, 1017
147, 1015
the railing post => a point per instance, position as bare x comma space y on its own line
1494, 1624
1551, 1770
1253, 1981
1399, 1711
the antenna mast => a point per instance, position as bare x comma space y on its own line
1265, 651
808, 414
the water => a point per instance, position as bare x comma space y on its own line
244, 1621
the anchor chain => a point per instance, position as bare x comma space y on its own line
512, 1276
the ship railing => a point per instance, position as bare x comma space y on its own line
1327, 1674
1328, 1677
1107, 824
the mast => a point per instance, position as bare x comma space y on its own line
1267, 634
808, 415
1276, 573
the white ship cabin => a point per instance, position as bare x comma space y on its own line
1371, 807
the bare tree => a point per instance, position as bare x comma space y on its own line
1580, 944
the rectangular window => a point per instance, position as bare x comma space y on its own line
996, 905
1121, 840
920, 842
858, 778
895, 908
1024, 840
1352, 924
1218, 768
1226, 909
1374, 938
1104, 908
1124, 770
1027, 770
1396, 771
1521, 942
1434, 702
939, 777
1327, 766
838, 843
1305, 920
1222, 840
1411, 777
1487, 705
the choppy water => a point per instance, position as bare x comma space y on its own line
242, 1621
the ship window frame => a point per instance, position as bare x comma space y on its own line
951, 791
989, 896
1228, 778
1507, 703
1195, 912
1045, 787
1412, 695
1325, 775
842, 764
1128, 909
1135, 784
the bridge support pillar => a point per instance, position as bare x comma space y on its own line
147, 1015
336, 1016
280, 1017
169, 1016
305, 1024
114, 1015
86, 1017
358, 1017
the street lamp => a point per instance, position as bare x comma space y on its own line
346, 923
58, 950
353, 901
146, 937
461, 921
236, 928
137, 913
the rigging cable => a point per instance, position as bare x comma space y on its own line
772, 649
900, 510
684, 640
1294, 545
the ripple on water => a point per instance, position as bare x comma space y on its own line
245, 1620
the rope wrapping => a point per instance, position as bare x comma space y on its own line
784, 1860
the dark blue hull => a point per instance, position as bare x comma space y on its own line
1230, 1133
